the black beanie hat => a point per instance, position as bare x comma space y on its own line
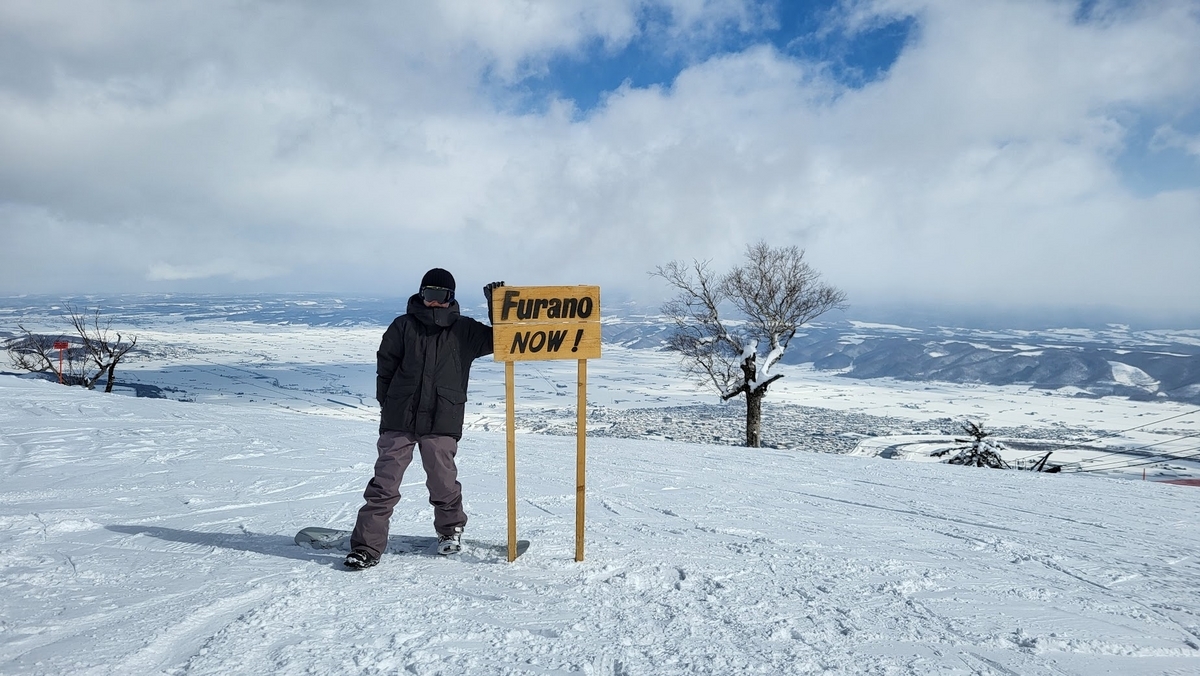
438, 277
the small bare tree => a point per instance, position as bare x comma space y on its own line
35, 353
775, 293
102, 346
94, 352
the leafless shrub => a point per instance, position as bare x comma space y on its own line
92, 353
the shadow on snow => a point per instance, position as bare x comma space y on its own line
258, 543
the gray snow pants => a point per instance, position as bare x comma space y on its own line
383, 490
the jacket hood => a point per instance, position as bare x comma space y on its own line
432, 316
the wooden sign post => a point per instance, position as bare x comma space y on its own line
539, 323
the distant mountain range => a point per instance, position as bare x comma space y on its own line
1110, 360
1114, 360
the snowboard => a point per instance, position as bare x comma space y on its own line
316, 537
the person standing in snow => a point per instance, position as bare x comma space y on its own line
423, 365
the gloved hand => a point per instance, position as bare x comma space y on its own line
487, 290
487, 293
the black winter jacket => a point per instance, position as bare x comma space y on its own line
423, 364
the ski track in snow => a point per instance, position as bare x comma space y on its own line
151, 536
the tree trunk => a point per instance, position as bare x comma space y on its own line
754, 419
111, 377
753, 402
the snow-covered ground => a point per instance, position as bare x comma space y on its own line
155, 536
148, 536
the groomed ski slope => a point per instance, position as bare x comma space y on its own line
151, 536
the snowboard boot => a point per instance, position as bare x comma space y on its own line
450, 544
360, 559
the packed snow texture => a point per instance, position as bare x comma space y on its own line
155, 536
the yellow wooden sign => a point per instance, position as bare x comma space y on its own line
546, 322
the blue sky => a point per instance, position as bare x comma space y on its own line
994, 154
1150, 165
804, 30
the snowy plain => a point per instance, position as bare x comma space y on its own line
152, 536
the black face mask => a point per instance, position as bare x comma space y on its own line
444, 316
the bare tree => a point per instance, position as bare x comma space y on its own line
94, 351
35, 353
102, 346
774, 293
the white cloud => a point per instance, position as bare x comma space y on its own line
512, 33
1168, 136
317, 148
222, 267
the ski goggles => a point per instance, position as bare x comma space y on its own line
436, 294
